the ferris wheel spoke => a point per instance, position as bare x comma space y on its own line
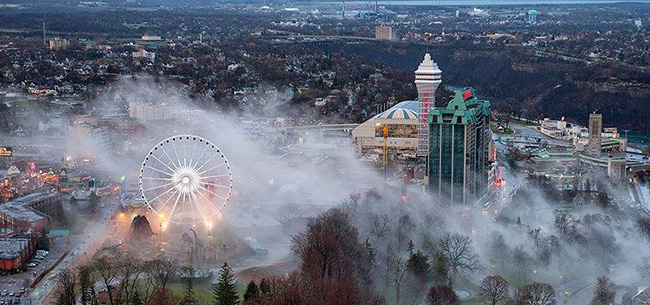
170, 158
160, 171
166, 201
159, 186
196, 203
211, 192
216, 176
155, 198
206, 162
208, 202
218, 185
165, 164
194, 149
214, 167
155, 178
176, 152
202, 152
171, 214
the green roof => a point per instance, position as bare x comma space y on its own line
57, 233
464, 107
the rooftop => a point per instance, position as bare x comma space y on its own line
11, 248
20, 208
406, 110
428, 70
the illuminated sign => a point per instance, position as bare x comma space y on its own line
467, 94
425, 115
5, 151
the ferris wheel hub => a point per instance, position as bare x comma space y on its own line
187, 180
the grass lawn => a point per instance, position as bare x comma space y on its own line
203, 292
494, 129
471, 301
524, 123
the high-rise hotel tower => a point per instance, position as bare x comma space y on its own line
427, 80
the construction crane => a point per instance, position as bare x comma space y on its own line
385, 132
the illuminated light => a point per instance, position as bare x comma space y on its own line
161, 215
405, 198
122, 215
467, 94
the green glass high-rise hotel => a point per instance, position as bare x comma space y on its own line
459, 144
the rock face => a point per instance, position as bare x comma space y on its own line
140, 228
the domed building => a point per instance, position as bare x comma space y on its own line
402, 123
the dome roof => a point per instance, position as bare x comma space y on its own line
406, 110
411, 105
398, 113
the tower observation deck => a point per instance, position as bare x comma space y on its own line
427, 79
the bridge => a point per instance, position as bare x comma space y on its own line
638, 167
322, 37
320, 127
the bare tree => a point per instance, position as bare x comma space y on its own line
605, 292
380, 225
157, 274
494, 289
132, 272
333, 259
442, 295
396, 274
498, 250
87, 286
459, 252
644, 267
522, 262
67, 289
644, 225
537, 294
109, 274
565, 225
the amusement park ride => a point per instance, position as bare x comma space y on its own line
185, 179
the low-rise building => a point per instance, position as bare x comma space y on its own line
59, 44
149, 111
144, 54
384, 32
27, 213
402, 123
14, 252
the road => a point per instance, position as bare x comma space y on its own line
81, 250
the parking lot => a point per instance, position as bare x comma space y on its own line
13, 286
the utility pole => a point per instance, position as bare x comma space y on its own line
343, 9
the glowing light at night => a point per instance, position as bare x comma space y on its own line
185, 178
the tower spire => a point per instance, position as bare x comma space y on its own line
427, 79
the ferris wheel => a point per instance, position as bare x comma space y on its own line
185, 178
